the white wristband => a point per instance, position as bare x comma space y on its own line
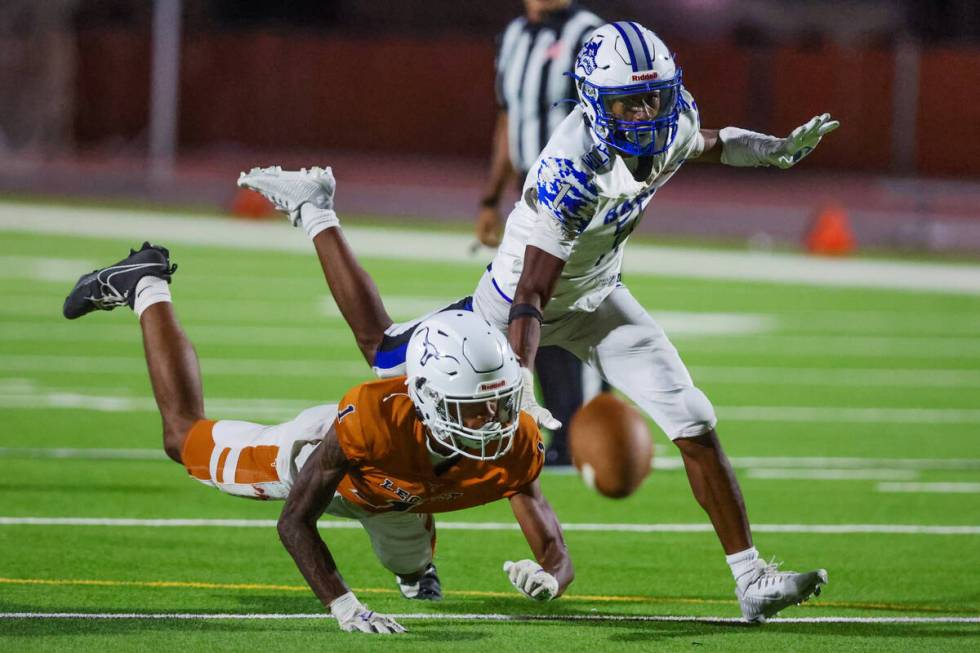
345, 606
746, 149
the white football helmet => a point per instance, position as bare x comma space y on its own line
629, 88
466, 384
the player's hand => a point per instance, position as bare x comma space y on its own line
488, 226
530, 405
531, 580
354, 616
790, 150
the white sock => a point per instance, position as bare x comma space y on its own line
743, 562
316, 220
150, 291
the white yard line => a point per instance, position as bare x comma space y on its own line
825, 529
835, 346
932, 488
838, 376
101, 365
833, 474
41, 268
831, 462
783, 466
497, 617
738, 375
174, 229
73, 453
23, 393
731, 336
260, 409
251, 335
840, 414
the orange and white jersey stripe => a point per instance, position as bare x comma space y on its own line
254, 460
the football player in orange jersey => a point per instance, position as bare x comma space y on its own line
448, 436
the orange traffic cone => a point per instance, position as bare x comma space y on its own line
249, 204
830, 232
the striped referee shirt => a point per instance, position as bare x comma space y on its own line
531, 63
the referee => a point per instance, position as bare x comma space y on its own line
535, 51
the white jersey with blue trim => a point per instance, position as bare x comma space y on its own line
580, 203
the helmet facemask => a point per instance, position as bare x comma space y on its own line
480, 427
639, 119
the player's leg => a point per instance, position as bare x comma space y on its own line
560, 375
175, 375
404, 543
307, 199
140, 281
634, 354
636, 357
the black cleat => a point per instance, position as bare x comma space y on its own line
426, 588
115, 285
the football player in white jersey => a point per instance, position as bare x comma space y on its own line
555, 279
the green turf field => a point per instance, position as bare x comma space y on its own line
855, 411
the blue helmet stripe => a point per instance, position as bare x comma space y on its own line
629, 44
643, 43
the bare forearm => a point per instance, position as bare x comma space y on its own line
556, 561
313, 559
501, 168
535, 288
543, 534
524, 335
312, 492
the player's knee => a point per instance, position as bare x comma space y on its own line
699, 414
175, 430
369, 344
405, 562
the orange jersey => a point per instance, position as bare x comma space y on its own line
383, 438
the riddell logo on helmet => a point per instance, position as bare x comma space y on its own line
492, 385
642, 77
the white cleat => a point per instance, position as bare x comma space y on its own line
289, 190
768, 590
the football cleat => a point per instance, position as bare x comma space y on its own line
288, 190
426, 588
115, 285
768, 590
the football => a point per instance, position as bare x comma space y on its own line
611, 446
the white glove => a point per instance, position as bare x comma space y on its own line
530, 405
745, 148
352, 615
531, 580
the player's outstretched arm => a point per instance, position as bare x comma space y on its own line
311, 494
534, 290
738, 147
551, 572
